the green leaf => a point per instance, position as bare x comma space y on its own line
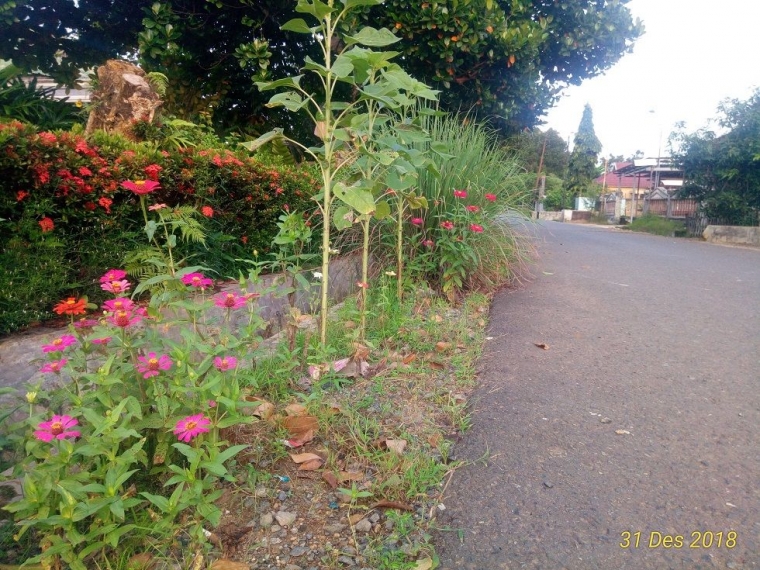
314, 7
382, 210
350, 4
369, 36
298, 25
230, 452
357, 198
343, 218
291, 101
150, 229
399, 183
294, 81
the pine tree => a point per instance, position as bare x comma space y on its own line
586, 148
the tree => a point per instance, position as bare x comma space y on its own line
582, 168
507, 60
529, 146
723, 172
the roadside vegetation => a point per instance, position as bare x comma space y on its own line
657, 225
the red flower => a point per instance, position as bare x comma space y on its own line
89, 206
140, 187
428, 243
20, 195
473, 208
476, 228
244, 239
447, 225
46, 224
490, 197
48, 138
106, 203
362, 285
460, 194
71, 306
84, 171
207, 211
152, 171
417, 221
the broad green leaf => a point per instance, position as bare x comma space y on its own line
294, 81
298, 25
441, 149
342, 67
382, 210
262, 140
150, 229
349, 4
417, 202
343, 218
369, 36
342, 135
291, 101
399, 183
314, 7
358, 198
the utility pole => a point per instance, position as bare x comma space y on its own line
539, 197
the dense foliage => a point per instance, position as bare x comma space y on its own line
723, 171
582, 168
506, 60
65, 214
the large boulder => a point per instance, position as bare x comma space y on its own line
123, 95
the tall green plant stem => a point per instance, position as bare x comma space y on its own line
400, 248
365, 277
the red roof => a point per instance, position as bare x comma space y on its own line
615, 181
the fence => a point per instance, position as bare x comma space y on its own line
678, 208
696, 224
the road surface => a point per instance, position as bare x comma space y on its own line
633, 441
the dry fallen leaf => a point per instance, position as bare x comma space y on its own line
330, 478
355, 518
295, 410
436, 318
302, 439
423, 564
298, 426
386, 504
409, 358
396, 445
361, 352
142, 561
436, 365
312, 465
350, 476
304, 457
442, 346
434, 440
542, 345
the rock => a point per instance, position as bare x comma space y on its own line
347, 560
123, 95
292, 567
260, 492
266, 520
282, 495
606, 420
298, 551
333, 528
285, 518
374, 517
363, 525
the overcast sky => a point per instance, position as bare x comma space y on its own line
694, 54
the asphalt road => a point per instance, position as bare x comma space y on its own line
642, 417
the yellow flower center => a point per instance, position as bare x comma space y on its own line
56, 428
190, 425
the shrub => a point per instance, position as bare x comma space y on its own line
63, 209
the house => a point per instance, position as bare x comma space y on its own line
629, 189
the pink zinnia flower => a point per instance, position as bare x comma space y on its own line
155, 207
197, 280
56, 429
191, 426
151, 364
417, 221
85, 323
118, 304
116, 287
478, 229
226, 363
472, 208
428, 243
60, 343
125, 319
54, 366
460, 194
103, 341
447, 225
113, 275
229, 300
490, 197
362, 285
140, 187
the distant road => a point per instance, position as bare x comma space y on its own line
643, 416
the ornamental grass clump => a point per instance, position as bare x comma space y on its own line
126, 452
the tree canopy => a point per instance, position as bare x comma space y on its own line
582, 168
505, 60
723, 171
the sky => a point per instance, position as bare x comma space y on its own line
693, 55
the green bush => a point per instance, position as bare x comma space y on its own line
657, 225
64, 214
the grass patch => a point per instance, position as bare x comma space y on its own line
657, 225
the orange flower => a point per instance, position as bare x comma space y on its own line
207, 211
71, 306
46, 224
